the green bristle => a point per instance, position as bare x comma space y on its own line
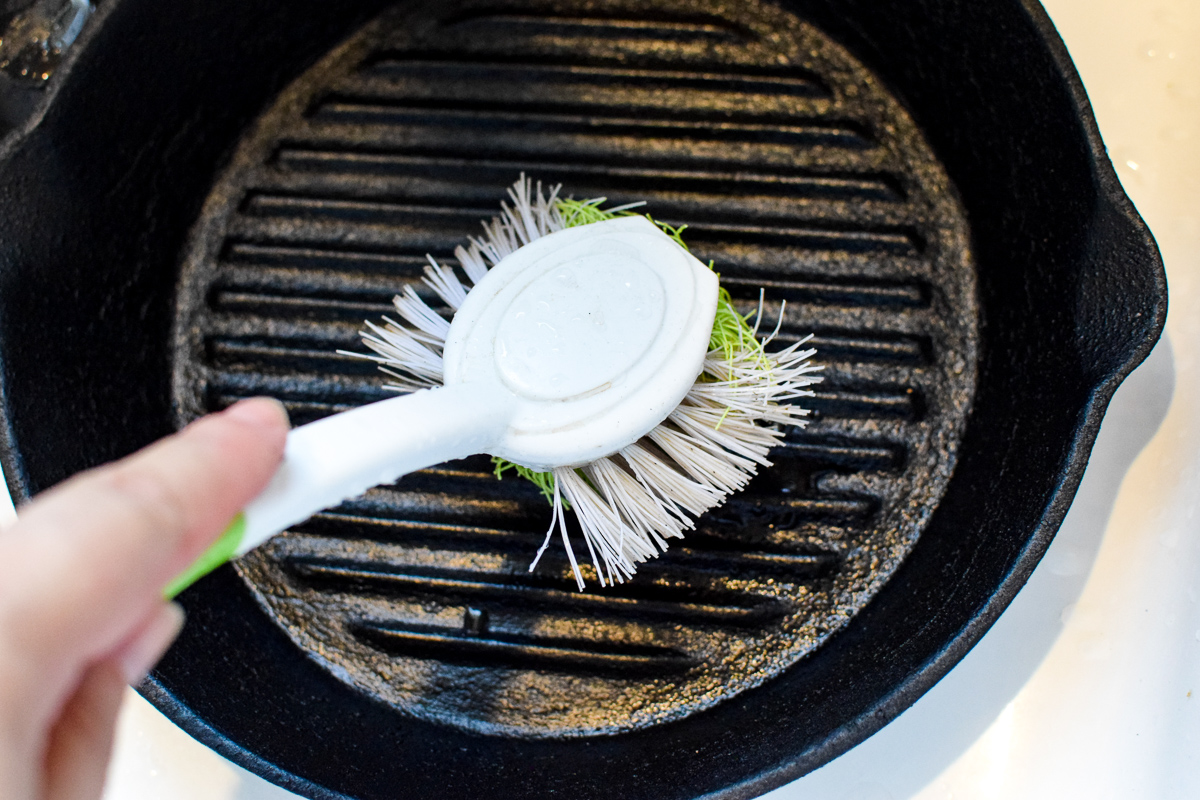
732, 333
542, 480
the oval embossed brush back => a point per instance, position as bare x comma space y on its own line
794, 170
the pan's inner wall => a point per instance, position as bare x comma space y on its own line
795, 171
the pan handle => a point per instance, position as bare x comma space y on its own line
1121, 299
35, 35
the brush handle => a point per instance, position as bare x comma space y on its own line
341, 456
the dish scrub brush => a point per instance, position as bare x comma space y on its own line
593, 354
630, 502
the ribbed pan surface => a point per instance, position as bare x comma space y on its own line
794, 170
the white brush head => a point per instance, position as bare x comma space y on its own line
596, 332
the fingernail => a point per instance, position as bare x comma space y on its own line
258, 411
144, 652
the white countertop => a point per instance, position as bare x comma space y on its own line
1089, 685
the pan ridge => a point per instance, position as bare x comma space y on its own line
794, 169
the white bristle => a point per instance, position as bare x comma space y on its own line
604, 532
557, 515
628, 505
471, 260
662, 478
726, 475
415, 312
445, 283
521, 217
501, 240
398, 348
717, 431
652, 521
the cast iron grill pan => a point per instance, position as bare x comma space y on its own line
154, 265
794, 171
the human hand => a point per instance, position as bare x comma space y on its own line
81, 580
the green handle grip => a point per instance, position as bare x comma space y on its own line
221, 551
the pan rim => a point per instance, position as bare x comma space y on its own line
1112, 199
